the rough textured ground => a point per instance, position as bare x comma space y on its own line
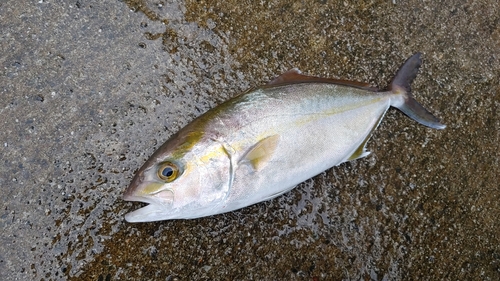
89, 89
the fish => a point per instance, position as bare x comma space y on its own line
262, 143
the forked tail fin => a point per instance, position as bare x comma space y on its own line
404, 101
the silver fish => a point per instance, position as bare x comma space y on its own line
262, 143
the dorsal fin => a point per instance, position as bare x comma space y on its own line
290, 76
294, 76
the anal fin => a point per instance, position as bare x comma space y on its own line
361, 152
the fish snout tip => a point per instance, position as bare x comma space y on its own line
129, 193
129, 197
132, 193
134, 186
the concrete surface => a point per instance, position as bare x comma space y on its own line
91, 88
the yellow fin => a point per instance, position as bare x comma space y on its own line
360, 152
259, 155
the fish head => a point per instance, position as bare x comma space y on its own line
181, 180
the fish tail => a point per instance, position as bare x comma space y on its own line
403, 99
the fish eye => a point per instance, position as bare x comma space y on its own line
168, 171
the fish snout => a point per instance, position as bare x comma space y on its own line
134, 186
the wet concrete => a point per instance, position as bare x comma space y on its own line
91, 89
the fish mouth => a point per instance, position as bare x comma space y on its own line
149, 213
159, 208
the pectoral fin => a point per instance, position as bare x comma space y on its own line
259, 155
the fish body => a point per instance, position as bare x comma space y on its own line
262, 143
